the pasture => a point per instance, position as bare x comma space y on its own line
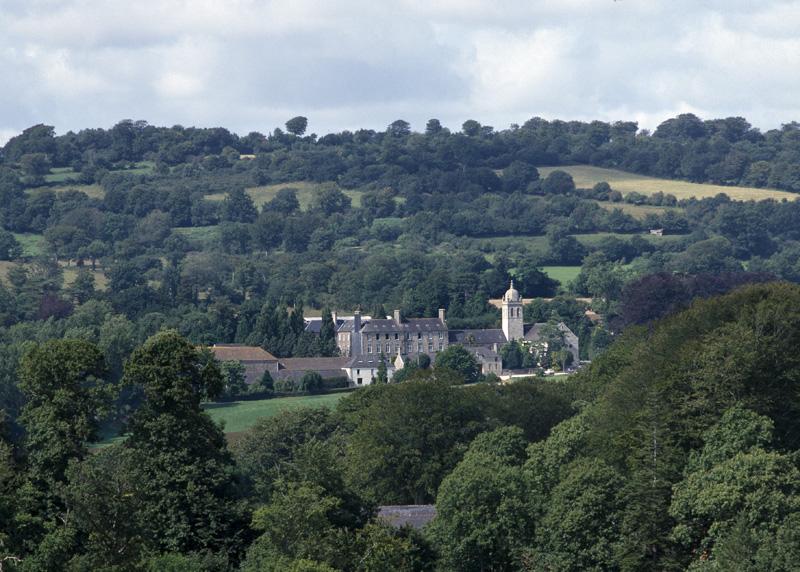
242, 415
586, 176
305, 193
564, 274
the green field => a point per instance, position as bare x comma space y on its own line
638, 212
93, 191
586, 176
538, 244
305, 192
200, 237
241, 415
564, 274
32, 244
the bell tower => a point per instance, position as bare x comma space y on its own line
512, 314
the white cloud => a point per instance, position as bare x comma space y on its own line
251, 64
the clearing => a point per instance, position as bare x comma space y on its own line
564, 274
242, 415
305, 192
586, 176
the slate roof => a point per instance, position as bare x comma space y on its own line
409, 325
312, 363
327, 367
486, 353
414, 515
477, 337
371, 361
534, 331
237, 352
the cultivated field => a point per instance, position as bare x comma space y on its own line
586, 176
241, 415
305, 192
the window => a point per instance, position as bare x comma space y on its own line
430, 345
369, 348
386, 336
388, 348
419, 346
396, 336
358, 372
441, 335
359, 381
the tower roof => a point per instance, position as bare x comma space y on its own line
512, 295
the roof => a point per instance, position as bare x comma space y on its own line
327, 367
371, 360
486, 354
534, 332
312, 363
409, 325
414, 515
237, 352
477, 337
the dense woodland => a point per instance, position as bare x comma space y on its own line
123, 250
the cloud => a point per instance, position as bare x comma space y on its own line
251, 64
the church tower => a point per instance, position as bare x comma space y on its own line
512, 314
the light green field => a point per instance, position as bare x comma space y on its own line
32, 244
200, 237
564, 274
586, 176
305, 192
61, 175
93, 191
538, 244
241, 415
638, 212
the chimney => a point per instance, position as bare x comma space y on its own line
397, 316
355, 344
441, 316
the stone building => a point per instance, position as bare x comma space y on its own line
254, 359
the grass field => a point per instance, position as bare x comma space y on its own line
241, 415
70, 273
538, 244
638, 212
586, 176
563, 274
305, 192
93, 191
200, 237
32, 244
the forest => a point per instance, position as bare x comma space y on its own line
125, 251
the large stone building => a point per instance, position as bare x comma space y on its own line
395, 340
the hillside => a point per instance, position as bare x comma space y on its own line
587, 176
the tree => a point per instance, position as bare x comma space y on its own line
193, 509
10, 248
63, 381
82, 289
558, 183
238, 207
512, 355
233, 374
580, 528
433, 126
488, 481
382, 375
407, 437
311, 382
460, 360
297, 125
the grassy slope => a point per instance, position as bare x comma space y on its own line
241, 415
586, 176
305, 192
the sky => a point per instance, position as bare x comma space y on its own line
249, 65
